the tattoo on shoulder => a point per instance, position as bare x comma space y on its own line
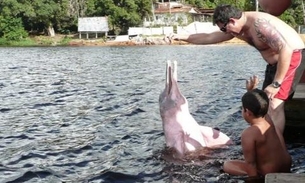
268, 34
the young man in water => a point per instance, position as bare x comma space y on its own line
279, 45
262, 148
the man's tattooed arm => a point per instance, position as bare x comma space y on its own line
268, 34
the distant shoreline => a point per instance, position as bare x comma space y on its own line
97, 42
70, 40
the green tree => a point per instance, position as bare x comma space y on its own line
197, 3
33, 12
122, 14
11, 29
293, 16
250, 5
43, 12
10, 8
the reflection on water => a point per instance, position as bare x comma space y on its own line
90, 114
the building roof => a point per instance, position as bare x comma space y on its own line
174, 7
93, 24
171, 7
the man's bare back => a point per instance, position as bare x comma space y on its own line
268, 35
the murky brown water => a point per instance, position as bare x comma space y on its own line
90, 114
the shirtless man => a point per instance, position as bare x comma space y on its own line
262, 148
278, 43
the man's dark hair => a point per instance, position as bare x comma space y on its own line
256, 101
223, 13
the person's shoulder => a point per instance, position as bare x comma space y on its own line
254, 15
260, 14
249, 136
251, 131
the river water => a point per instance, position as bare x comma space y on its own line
90, 114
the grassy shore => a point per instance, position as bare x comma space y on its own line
73, 40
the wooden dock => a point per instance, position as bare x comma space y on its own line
300, 92
295, 116
294, 132
284, 177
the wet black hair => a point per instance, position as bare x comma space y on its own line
256, 101
223, 13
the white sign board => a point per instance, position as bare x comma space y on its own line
93, 24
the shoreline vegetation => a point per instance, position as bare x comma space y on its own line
70, 40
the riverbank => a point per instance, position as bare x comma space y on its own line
133, 42
73, 40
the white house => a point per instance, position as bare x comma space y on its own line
174, 13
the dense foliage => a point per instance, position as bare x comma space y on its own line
19, 18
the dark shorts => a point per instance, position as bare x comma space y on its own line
292, 77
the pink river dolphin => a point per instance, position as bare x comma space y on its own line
182, 133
